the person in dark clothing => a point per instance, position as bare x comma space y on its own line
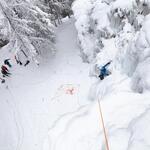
5, 71
104, 71
6, 62
27, 62
2, 80
4, 68
18, 61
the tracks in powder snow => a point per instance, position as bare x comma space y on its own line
38, 98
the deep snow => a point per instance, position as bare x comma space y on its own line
47, 108
126, 111
35, 98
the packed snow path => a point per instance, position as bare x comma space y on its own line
33, 99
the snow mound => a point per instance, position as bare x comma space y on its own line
126, 121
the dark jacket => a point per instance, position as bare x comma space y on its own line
6, 62
104, 71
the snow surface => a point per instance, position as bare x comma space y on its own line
126, 118
35, 98
48, 108
124, 95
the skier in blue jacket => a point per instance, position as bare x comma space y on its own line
104, 71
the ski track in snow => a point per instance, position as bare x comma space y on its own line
123, 112
38, 97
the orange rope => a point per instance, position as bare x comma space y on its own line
104, 130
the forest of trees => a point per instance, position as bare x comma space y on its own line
28, 26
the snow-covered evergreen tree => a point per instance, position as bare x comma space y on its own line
97, 19
31, 31
58, 9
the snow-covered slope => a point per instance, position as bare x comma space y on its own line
51, 111
33, 99
118, 31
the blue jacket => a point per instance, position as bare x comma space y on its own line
104, 71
